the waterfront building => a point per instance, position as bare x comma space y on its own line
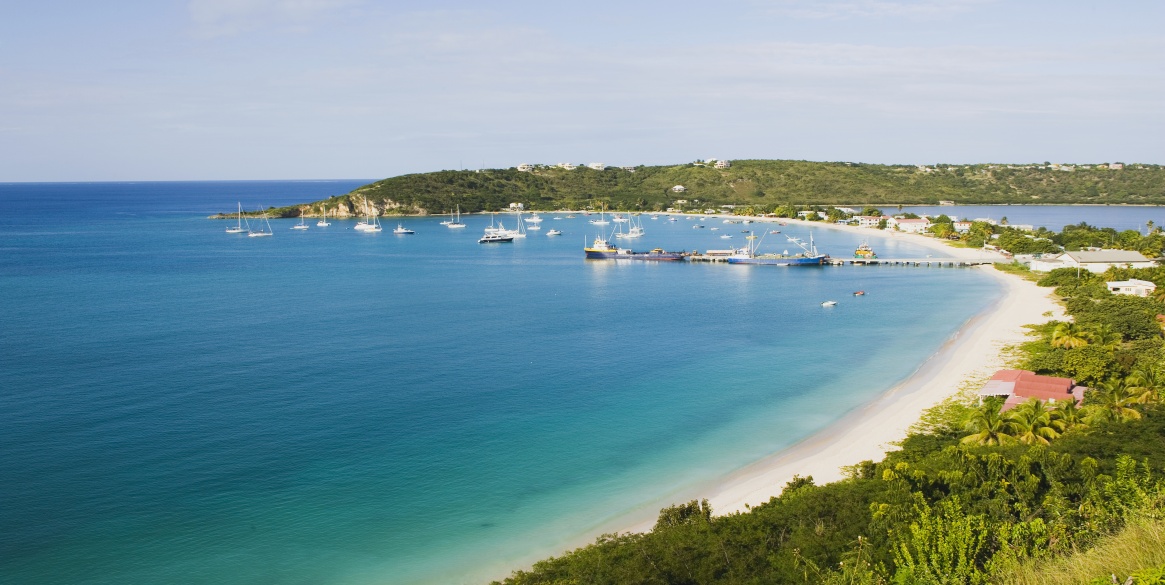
1093, 261
961, 226
910, 226
870, 221
1019, 386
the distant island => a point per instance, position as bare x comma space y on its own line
752, 186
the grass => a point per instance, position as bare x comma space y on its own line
1140, 545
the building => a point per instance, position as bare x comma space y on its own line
723, 164
1139, 288
847, 210
628, 169
1115, 166
945, 202
517, 206
961, 226
679, 189
910, 226
597, 166
680, 201
1093, 261
567, 166
870, 221
1019, 386
525, 168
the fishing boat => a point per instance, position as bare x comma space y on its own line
860, 293
238, 229
829, 304
809, 255
323, 222
402, 230
865, 251
554, 233
300, 225
259, 233
456, 223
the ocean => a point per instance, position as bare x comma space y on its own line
182, 405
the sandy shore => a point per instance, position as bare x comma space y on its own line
867, 433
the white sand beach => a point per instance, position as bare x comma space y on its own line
868, 433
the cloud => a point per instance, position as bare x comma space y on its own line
916, 9
212, 18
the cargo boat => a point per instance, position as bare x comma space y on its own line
808, 257
602, 249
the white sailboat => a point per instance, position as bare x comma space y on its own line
300, 225
371, 222
602, 217
253, 233
239, 227
323, 222
456, 223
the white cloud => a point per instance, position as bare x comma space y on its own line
227, 17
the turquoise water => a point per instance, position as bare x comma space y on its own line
181, 405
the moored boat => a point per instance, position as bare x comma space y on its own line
808, 257
602, 249
865, 251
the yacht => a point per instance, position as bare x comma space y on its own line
456, 223
495, 239
400, 230
554, 233
253, 233
300, 225
323, 222
238, 229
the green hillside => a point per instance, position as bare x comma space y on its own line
761, 184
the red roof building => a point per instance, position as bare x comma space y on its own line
1019, 386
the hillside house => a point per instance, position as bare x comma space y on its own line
597, 166
679, 189
525, 168
723, 164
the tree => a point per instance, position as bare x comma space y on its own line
1069, 336
1146, 385
988, 426
1066, 415
1111, 401
1032, 423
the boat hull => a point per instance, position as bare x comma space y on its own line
629, 255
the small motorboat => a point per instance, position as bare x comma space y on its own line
400, 229
554, 233
860, 293
775, 232
829, 304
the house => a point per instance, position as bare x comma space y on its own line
945, 202
1093, 261
680, 202
870, 221
525, 168
567, 166
1140, 288
1115, 166
679, 189
808, 214
1019, 386
723, 164
910, 226
517, 206
628, 169
597, 166
961, 226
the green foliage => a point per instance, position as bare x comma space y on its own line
943, 545
765, 184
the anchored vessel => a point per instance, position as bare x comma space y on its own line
602, 249
865, 251
808, 256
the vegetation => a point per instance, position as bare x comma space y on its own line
756, 186
1048, 493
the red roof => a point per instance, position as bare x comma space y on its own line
1029, 385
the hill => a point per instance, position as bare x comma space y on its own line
759, 184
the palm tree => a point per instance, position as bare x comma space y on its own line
1102, 335
1069, 336
1112, 400
988, 426
1066, 415
1032, 423
1147, 385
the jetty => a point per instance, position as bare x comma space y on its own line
917, 262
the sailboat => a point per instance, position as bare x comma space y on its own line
323, 222
301, 225
238, 229
260, 233
602, 217
371, 222
456, 223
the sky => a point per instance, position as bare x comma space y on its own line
329, 89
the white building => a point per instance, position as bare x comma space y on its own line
567, 166
525, 167
679, 189
597, 166
517, 206
1116, 166
910, 226
870, 221
1140, 288
628, 169
680, 201
961, 226
1097, 261
723, 164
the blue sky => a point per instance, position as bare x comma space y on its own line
313, 89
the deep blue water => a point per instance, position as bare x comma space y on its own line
181, 405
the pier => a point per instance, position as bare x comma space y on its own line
917, 262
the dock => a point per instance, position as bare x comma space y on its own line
917, 262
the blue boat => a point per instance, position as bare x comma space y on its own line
808, 257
